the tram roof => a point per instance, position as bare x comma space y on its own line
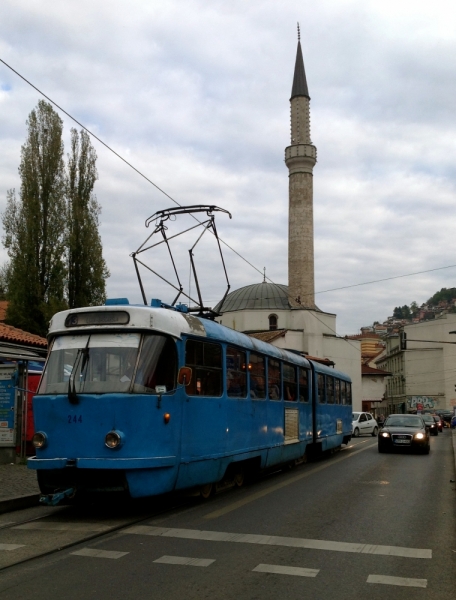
167, 321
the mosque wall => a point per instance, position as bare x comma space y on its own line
347, 356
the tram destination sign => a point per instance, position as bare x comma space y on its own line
7, 405
112, 317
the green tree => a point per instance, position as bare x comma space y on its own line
4, 273
397, 312
34, 226
87, 271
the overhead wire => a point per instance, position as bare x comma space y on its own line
91, 133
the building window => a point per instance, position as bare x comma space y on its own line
272, 322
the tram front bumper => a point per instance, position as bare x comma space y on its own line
102, 463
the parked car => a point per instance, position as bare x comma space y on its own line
429, 422
363, 423
404, 432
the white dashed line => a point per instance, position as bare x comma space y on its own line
403, 581
184, 560
282, 570
271, 540
44, 526
9, 547
92, 552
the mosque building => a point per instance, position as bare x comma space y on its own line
286, 315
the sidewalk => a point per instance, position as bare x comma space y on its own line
19, 488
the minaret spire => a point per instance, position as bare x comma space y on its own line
299, 80
300, 158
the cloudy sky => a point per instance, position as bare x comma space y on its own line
195, 94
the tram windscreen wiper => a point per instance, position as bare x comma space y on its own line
84, 354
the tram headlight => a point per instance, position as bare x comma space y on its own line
114, 439
39, 440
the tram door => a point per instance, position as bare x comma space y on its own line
204, 411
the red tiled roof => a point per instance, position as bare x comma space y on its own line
268, 336
11, 334
366, 370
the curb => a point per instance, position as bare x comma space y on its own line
454, 446
19, 503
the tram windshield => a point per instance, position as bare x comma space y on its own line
100, 363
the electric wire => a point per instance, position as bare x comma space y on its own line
118, 155
223, 242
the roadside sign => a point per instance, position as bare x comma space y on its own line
7, 406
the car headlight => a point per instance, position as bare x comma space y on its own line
385, 434
39, 440
419, 436
114, 439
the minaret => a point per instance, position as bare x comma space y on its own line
300, 159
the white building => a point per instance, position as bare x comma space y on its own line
424, 374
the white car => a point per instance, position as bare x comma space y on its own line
363, 423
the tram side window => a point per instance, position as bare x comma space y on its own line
274, 386
236, 377
330, 390
290, 391
348, 395
257, 376
343, 396
157, 365
321, 388
337, 383
303, 385
205, 360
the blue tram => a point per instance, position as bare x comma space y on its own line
147, 400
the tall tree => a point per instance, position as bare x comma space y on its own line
34, 226
87, 270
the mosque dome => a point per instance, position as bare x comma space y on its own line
257, 296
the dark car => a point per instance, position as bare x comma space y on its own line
404, 431
439, 422
429, 422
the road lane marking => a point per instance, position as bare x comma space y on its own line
9, 547
43, 526
92, 552
184, 560
281, 570
402, 581
272, 540
252, 497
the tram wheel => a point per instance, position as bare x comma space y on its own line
206, 491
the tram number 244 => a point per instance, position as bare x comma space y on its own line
74, 418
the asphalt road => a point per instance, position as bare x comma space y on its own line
358, 524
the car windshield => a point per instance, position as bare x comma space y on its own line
403, 421
355, 416
110, 362
427, 418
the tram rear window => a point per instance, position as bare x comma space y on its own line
205, 360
